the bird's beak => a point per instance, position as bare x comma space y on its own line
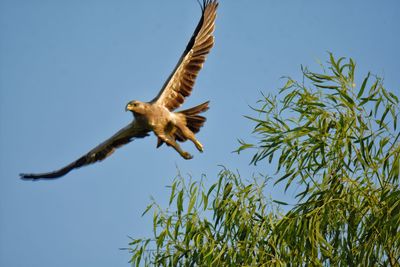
128, 107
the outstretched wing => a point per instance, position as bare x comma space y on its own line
102, 151
180, 83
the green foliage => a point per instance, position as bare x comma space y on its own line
339, 144
330, 127
226, 224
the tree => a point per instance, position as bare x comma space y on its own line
336, 141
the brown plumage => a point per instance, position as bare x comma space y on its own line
180, 83
157, 116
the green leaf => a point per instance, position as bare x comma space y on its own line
280, 202
243, 146
384, 115
212, 187
205, 200
284, 177
179, 202
347, 98
327, 86
192, 201
147, 209
394, 97
135, 241
288, 84
360, 93
173, 188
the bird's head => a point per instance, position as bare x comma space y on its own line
136, 107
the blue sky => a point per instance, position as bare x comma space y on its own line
68, 68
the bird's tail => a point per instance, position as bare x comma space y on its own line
193, 120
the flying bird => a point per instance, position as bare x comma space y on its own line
159, 115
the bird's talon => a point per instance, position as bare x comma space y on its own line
199, 146
186, 155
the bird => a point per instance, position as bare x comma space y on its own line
159, 115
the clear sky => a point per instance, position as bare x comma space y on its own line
68, 68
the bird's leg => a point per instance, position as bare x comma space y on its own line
190, 135
177, 147
171, 142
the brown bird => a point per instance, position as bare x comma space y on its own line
158, 115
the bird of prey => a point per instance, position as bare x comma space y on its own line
159, 115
